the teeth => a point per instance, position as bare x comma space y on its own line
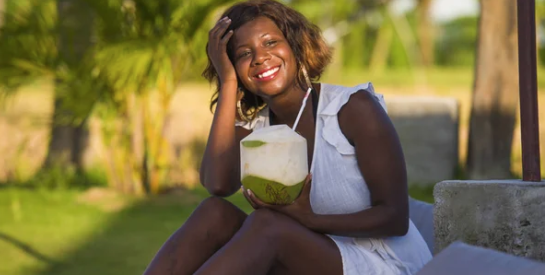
268, 73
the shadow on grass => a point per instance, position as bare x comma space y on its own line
132, 237
26, 248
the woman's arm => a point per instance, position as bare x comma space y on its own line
380, 159
220, 168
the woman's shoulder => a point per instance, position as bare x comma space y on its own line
329, 88
336, 96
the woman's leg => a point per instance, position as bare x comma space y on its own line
270, 241
211, 226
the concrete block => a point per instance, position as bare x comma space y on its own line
504, 215
428, 130
459, 258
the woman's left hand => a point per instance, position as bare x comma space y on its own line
300, 210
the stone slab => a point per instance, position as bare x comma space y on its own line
504, 215
460, 258
428, 130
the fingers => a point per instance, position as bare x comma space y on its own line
305, 193
308, 182
226, 38
257, 201
308, 178
216, 27
219, 29
215, 40
250, 201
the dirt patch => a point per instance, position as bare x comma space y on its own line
106, 199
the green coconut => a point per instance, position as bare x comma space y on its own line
274, 164
272, 192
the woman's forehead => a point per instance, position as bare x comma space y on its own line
258, 27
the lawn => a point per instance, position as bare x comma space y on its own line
98, 232
93, 232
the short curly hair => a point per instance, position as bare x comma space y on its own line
304, 38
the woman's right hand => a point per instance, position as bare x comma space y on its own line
217, 51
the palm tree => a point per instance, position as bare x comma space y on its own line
68, 136
140, 49
146, 58
37, 46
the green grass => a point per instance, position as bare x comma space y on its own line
440, 79
423, 193
56, 233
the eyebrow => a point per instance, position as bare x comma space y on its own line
241, 46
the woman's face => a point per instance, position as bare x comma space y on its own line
264, 61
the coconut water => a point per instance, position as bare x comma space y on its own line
274, 164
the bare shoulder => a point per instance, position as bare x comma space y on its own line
363, 114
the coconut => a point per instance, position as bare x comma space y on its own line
273, 164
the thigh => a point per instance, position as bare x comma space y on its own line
299, 250
212, 224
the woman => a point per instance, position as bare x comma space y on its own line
351, 218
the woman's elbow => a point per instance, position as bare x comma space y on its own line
216, 188
402, 227
220, 191
399, 222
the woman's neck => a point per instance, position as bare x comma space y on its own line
286, 105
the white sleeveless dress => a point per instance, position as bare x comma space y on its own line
338, 187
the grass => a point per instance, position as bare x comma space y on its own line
59, 233
69, 232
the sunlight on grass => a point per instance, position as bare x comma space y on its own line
58, 234
49, 225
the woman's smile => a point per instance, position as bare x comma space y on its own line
267, 74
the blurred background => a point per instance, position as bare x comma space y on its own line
104, 115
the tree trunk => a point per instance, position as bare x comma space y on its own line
495, 94
68, 141
425, 32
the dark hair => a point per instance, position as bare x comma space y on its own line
304, 38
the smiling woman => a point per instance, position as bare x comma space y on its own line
295, 42
352, 214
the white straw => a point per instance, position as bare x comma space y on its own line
302, 108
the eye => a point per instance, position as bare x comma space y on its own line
270, 43
244, 54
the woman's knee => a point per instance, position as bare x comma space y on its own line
270, 224
220, 213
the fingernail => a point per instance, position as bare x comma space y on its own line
250, 192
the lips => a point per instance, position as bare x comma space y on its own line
267, 74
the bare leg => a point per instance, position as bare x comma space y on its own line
269, 241
211, 226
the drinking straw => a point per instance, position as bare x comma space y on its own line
302, 108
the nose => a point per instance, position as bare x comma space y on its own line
260, 57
